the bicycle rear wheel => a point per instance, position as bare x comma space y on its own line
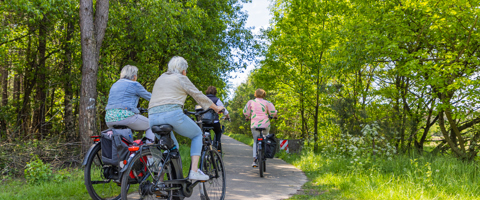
142, 176
261, 163
212, 165
98, 186
264, 165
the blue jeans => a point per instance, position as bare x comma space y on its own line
183, 125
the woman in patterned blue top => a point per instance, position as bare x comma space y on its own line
123, 100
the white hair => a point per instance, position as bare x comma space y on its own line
177, 64
128, 72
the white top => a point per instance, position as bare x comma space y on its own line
173, 88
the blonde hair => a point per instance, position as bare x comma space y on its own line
128, 72
177, 64
260, 93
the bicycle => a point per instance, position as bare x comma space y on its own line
159, 174
260, 151
216, 143
102, 181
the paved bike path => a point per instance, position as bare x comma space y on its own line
280, 180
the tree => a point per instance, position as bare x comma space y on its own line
92, 33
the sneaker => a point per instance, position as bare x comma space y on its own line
254, 164
199, 175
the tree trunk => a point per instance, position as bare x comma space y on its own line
29, 78
40, 97
4, 84
68, 117
92, 33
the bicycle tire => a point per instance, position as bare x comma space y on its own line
264, 165
141, 166
260, 161
212, 165
94, 174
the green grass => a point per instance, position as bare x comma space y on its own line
71, 188
402, 177
246, 139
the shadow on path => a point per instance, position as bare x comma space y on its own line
280, 180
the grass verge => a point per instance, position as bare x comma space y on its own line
402, 177
71, 187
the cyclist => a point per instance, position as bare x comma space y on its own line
122, 102
258, 111
211, 93
168, 97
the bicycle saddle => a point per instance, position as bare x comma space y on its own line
260, 129
120, 127
162, 129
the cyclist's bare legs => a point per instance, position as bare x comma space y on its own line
195, 160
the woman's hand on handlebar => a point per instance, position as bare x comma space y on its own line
217, 109
272, 117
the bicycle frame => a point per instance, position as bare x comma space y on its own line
261, 145
181, 184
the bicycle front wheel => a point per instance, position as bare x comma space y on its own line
99, 186
212, 165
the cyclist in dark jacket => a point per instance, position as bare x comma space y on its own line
211, 93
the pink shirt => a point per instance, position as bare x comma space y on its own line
258, 110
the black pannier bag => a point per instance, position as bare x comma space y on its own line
270, 146
114, 150
209, 117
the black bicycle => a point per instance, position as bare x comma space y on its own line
260, 151
157, 169
101, 180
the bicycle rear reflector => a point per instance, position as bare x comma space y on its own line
133, 148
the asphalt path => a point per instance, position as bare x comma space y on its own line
280, 180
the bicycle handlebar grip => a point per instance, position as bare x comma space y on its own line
142, 110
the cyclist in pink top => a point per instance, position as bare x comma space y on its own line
258, 111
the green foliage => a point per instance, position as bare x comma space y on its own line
411, 68
36, 171
143, 33
401, 177
65, 183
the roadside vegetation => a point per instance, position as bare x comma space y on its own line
412, 176
46, 182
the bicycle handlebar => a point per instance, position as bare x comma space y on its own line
196, 113
269, 117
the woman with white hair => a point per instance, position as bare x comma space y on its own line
123, 100
168, 97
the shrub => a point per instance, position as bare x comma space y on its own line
36, 171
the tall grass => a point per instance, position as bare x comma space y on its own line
397, 177
70, 188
